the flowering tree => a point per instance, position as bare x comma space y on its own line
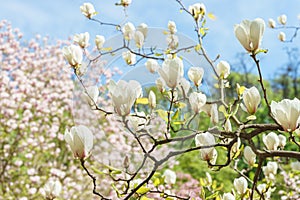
167, 121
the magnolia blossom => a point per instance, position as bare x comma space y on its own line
227, 125
295, 166
235, 147
80, 139
128, 31
139, 39
263, 189
271, 141
52, 189
129, 57
240, 185
249, 34
99, 41
197, 101
82, 39
152, 99
282, 19
251, 99
184, 86
228, 196
272, 23
137, 122
287, 113
92, 94
124, 94
125, 2
212, 111
172, 27
171, 71
281, 36
282, 141
88, 10
172, 41
270, 171
170, 176
249, 156
152, 65
223, 69
160, 84
73, 54
143, 28
198, 10
195, 74
206, 139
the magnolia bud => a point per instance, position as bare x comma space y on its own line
129, 57
152, 99
228, 196
271, 141
240, 185
52, 189
195, 74
73, 54
172, 27
143, 28
251, 98
99, 41
281, 36
128, 31
82, 39
223, 69
88, 10
152, 65
139, 39
282, 141
197, 101
249, 156
270, 171
282, 19
272, 23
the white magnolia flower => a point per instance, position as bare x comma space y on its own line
249, 156
128, 31
250, 33
88, 10
212, 111
73, 54
282, 141
270, 171
198, 10
160, 84
152, 65
251, 99
139, 39
125, 2
143, 28
271, 141
152, 99
228, 196
197, 101
282, 19
92, 94
206, 139
170, 176
138, 122
281, 36
295, 166
223, 69
184, 86
124, 94
240, 185
52, 189
99, 41
172, 27
129, 57
80, 139
235, 147
272, 23
195, 74
263, 189
287, 113
82, 39
227, 125
171, 71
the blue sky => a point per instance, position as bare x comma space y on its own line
60, 19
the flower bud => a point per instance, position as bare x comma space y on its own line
92, 94
143, 28
80, 139
172, 27
281, 36
223, 69
287, 113
251, 99
172, 41
282, 141
197, 101
125, 3
197, 10
272, 23
270, 171
282, 19
99, 41
171, 71
129, 57
227, 126
152, 65
52, 189
170, 176
160, 84
139, 39
228, 196
152, 99
206, 139
271, 141
88, 10
249, 156
240, 185
82, 39
195, 74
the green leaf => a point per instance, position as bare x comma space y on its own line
143, 190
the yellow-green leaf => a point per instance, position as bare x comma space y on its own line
142, 190
211, 16
142, 101
163, 114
